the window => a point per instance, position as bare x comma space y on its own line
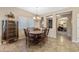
24, 23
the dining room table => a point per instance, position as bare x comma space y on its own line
36, 34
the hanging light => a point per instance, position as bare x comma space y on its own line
36, 17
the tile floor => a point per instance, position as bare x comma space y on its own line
62, 44
18, 46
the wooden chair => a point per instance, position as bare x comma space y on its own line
26, 34
29, 38
47, 31
44, 36
36, 29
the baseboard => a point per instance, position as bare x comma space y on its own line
75, 41
21, 38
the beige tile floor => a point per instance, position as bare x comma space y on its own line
18, 46
61, 44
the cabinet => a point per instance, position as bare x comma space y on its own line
9, 31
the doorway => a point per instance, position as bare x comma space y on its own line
64, 25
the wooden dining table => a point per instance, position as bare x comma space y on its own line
36, 32
36, 35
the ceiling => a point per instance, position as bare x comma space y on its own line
41, 10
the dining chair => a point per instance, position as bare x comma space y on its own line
29, 38
36, 29
47, 31
41, 37
44, 36
26, 34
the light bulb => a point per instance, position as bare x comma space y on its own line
38, 17
34, 17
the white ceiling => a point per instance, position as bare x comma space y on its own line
41, 10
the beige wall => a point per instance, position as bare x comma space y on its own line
17, 12
37, 24
69, 26
76, 14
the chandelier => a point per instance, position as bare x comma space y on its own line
36, 17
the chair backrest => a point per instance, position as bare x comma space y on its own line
26, 31
36, 29
44, 30
47, 31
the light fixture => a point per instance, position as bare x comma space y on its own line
36, 17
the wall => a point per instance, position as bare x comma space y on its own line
17, 12
76, 13
37, 24
69, 26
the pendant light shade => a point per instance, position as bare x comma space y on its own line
36, 17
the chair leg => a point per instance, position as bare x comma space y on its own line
40, 45
26, 41
1, 42
28, 44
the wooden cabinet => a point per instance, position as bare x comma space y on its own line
9, 31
